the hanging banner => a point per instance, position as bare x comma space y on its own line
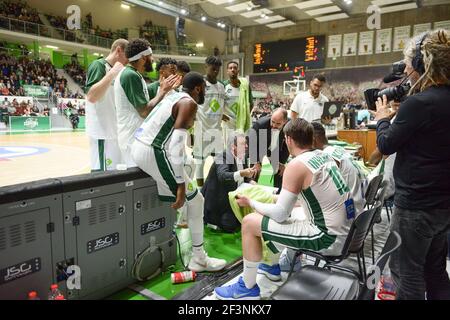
401, 37
384, 41
349, 48
36, 91
334, 46
421, 28
365, 43
442, 25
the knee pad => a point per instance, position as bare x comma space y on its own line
189, 167
195, 213
199, 169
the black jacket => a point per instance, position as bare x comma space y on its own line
420, 135
220, 181
259, 149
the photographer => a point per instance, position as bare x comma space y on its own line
421, 139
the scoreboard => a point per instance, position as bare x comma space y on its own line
289, 55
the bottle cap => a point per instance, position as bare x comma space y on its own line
32, 294
54, 286
60, 297
121, 167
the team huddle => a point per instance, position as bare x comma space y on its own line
148, 126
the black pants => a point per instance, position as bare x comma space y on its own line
419, 265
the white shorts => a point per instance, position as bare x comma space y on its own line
126, 157
105, 154
207, 143
228, 128
297, 234
155, 163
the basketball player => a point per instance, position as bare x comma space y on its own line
101, 123
165, 67
133, 103
208, 139
159, 150
314, 179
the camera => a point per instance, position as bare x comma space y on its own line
396, 93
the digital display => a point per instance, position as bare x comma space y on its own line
290, 55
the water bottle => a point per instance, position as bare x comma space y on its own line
55, 294
387, 287
33, 296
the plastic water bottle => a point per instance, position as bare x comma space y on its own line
33, 296
55, 294
387, 287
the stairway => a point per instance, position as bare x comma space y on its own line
71, 84
51, 32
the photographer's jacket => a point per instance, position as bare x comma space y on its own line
420, 135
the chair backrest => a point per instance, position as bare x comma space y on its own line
372, 190
359, 230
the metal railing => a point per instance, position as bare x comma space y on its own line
85, 38
52, 32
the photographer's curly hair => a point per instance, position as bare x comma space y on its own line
135, 47
436, 58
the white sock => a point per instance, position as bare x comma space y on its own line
198, 251
249, 275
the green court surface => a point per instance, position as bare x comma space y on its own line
219, 245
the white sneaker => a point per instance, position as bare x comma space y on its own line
206, 264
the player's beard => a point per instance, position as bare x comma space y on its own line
148, 66
201, 98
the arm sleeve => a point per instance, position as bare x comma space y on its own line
411, 116
176, 153
279, 211
96, 72
134, 90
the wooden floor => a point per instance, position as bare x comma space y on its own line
30, 157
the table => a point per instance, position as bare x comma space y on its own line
366, 138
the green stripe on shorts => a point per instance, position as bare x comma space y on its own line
165, 171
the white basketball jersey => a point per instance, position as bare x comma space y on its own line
157, 129
324, 201
352, 174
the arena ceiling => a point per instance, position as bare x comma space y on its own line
279, 13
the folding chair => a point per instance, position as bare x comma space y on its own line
354, 243
335, 282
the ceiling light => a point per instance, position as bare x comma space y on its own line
160, 3
249, 8
96, 54
125, 6
203, 18
52, 47
183, 11
219, 24
199, 45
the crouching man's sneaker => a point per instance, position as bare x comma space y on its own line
237, 291
286, 261
273, 273
206, 264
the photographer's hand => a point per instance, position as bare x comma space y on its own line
383, 111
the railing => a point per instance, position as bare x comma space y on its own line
80, 37
52, 32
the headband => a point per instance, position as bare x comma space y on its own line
144, 53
